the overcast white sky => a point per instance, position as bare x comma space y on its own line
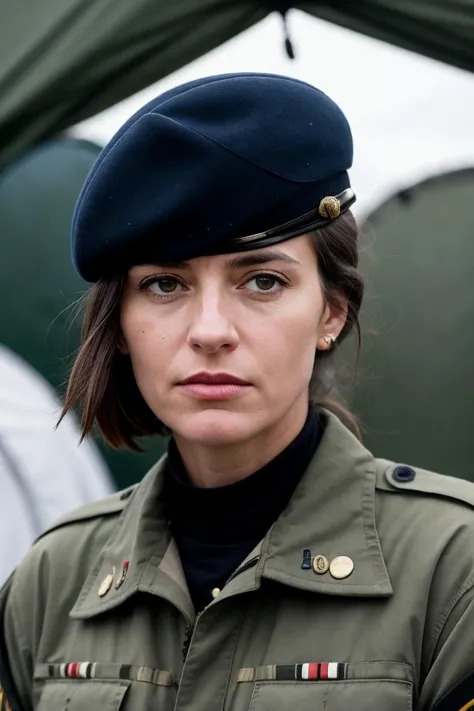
411, 117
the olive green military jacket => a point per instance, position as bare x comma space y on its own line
98, 615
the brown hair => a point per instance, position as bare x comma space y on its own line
102, 379
336, 246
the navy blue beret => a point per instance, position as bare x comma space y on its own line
217, 165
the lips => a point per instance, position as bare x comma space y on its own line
214, 379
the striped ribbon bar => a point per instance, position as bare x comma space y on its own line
104, 670
310, 671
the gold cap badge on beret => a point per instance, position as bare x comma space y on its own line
330, 207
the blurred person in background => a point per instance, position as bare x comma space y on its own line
43, 471
269, 561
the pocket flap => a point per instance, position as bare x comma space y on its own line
332, 686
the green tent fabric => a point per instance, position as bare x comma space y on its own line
38, 284
62, 61
416, 382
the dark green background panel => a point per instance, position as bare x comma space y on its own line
38, 284
415, 391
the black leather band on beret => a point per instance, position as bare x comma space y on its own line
311, 220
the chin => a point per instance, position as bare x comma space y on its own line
214, 428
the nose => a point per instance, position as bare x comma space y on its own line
212, 327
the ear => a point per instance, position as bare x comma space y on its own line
122, 346
331, 324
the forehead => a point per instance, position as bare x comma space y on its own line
296, 252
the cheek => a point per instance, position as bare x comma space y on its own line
288, 345
147, 341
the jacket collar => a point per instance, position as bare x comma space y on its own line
142, 540
331, 513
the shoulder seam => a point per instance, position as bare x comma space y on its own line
105, 507
424, 483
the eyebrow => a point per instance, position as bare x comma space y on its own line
245, 260
250, 260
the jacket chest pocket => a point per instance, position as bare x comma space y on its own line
94, 686
78, 695
358, 686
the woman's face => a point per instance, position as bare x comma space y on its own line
223, 347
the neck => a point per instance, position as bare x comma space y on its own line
216, 466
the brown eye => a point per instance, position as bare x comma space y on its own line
162, 286
167, 286
265, 282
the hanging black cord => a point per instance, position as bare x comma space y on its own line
283, 7
288, 43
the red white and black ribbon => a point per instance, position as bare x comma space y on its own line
310, 671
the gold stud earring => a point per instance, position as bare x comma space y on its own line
329, 340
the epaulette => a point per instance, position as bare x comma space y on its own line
401, 477
112, 504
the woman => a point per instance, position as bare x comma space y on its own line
269, 561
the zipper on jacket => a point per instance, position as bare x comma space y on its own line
191, 628
187, 640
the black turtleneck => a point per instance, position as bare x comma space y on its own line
215, 529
